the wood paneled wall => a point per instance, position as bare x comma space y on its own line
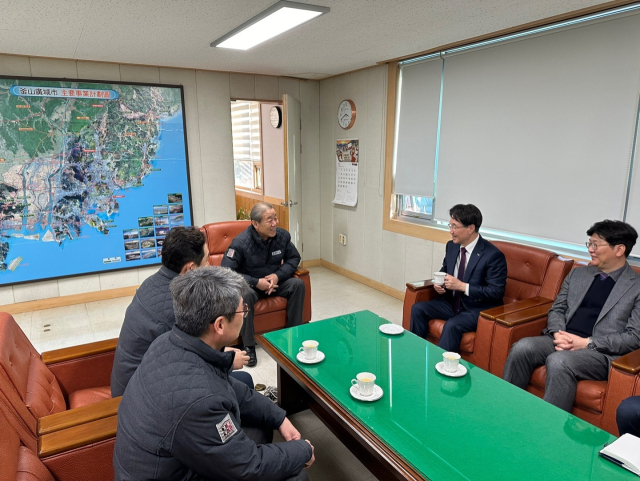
246, 200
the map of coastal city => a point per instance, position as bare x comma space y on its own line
70, 154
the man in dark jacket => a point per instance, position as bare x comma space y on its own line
267, 259
150, 313
183, 418
475, 280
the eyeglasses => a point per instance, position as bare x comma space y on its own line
455, 227
594, 246
244, 311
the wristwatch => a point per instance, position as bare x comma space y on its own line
590, 344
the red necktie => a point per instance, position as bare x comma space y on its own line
457, 296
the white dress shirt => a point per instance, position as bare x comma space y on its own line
469, 248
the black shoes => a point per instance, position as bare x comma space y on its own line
253, 358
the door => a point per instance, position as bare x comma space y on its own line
292, 171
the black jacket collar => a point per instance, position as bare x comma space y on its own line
220, 359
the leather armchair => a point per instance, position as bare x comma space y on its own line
596, 401
534, 278
82, 452
59, 389
270, 314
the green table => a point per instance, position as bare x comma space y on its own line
427, 425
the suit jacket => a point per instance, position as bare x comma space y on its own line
486, 274
617, 329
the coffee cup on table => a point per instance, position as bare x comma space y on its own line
451, 361
310, 349
365, 382
438, 278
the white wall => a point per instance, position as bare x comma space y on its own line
208, 119
272, 153
390, 258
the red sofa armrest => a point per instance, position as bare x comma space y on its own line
303, 274
75, 352
512, 307
624, 379
77, 416
82, 367
510, 328
629, 363
416, 292
82, 452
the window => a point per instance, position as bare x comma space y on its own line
528, 128
247, 159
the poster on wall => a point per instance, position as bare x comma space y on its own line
92, 176
347, 155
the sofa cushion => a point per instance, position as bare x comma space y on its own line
30, 468
44, 396
84, 397
589, 394
270, 304
468, 338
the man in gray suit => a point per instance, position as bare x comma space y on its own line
595, 318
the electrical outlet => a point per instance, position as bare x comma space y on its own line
342, 239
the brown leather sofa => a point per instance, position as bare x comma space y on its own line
57, 389
270, 314
596, 401
79, 453
534, 278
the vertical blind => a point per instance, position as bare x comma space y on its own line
539, 132
245, 129
417, 127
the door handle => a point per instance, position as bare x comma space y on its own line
288, 204
284, 203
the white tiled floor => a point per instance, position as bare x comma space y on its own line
331, 295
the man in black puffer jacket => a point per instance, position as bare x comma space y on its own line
183, 418
267, 259
150, 313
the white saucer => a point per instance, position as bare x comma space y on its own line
391, 329
377, 393
319, 358
459, 373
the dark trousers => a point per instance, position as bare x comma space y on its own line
265, 436
243, 376
564, 368
628, 416
292, 290
454, 328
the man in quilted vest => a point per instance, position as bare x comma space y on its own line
150, 313
267, 259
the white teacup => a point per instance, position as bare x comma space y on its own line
366, 382
451, 361
438, 278
310, 349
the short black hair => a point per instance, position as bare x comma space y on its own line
181, 246
466, 214
615, 232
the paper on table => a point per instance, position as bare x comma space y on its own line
624, 451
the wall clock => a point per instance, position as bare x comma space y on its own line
346, 114
275, 116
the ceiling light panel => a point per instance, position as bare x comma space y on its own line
273, 21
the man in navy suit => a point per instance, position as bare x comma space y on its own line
475, 281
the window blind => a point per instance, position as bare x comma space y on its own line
417, 127
538, 132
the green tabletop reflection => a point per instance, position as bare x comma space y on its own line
475, 427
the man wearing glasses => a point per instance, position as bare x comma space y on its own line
184, 417
267, 259
476, 278
595, 318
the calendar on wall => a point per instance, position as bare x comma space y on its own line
347, 155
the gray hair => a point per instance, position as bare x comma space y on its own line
202, 295
258, 210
